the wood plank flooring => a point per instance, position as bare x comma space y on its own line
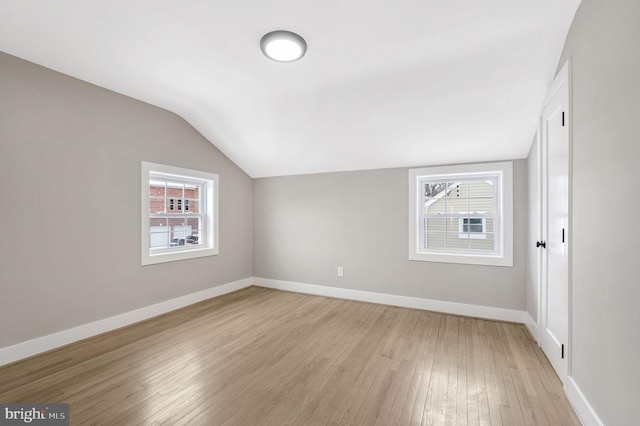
261, 356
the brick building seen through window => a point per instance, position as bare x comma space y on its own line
174, 214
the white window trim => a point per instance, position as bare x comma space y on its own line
472, 235
505, 258
211, 248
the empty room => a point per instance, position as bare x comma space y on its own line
339, 212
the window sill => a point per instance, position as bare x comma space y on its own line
469, 259
155, 258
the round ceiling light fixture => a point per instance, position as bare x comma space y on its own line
283, 46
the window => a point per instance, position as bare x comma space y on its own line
462, 214
179, 213
472, 228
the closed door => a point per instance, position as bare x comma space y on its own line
555, 225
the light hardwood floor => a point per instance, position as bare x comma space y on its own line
260, 356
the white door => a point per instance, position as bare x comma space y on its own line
555, 225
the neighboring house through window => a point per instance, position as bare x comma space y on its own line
179, 213
462, 214
472, 228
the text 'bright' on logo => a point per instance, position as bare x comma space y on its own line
37, 414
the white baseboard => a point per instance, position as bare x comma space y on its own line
585, 412
393, 300
56, 340
532, 326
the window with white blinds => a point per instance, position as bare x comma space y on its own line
462, 214
179, 213
176, 218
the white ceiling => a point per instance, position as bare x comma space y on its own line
384, 83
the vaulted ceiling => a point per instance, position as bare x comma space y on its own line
383, 84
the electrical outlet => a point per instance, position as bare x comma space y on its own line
340, 271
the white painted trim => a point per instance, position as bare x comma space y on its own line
394, 300
563, 77
540, 236
46, 343
585, 412
566, 69
532, 326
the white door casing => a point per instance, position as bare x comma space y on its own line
555, 185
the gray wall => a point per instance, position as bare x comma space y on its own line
70, 159
306, 226
603, 45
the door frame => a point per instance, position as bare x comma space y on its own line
562, 78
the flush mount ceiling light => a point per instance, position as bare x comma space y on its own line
283, 46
